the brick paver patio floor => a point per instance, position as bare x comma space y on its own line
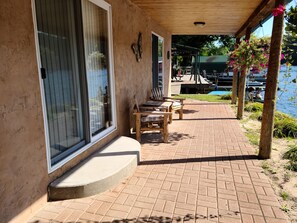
208, 172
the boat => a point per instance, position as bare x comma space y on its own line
225, 78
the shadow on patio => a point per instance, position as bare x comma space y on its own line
199, 160
160, 219
207, 172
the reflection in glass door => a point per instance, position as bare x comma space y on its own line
97, 66
157, 61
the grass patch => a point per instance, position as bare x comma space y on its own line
253, 137
256, 115
203, 97
226, 97
291, 155
287, 176
284, 126
284, 195
267, 166
254, 107
285, 208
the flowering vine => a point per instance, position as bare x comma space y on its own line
278, 10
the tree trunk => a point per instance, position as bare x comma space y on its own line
271, 86
242, 82
235, 79
241, 93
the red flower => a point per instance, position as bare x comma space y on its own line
278, 11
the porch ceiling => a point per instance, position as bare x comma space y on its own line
229, 17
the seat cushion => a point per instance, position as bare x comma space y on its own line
176, 103
152, 118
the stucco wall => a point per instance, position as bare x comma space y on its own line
23, 166
132, 77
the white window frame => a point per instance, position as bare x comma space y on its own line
163, 66
94, 139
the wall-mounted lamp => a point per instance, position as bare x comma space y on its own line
199, 24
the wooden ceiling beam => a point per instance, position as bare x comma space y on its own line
251, 19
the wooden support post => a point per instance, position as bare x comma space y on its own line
242, 83
235, 79
181, 112
138, 127
241, 93
271, 85
165, 130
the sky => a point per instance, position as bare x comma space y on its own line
267, 26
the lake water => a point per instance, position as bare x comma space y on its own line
284, 102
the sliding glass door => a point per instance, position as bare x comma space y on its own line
75, 65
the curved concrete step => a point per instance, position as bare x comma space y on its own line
99, 172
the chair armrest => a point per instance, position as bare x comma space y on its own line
148, 108
172, 98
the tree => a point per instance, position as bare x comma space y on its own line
290, 49
290, 37
202, 41
214, 48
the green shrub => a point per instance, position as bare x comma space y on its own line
256, 116
280, 116
254, 107
226, 97
284, 126
291, 155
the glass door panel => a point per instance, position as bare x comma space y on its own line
160, 63
59, 61
95, 25
155, 62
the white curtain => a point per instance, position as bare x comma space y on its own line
95, 25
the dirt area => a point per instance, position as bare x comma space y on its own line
284, 181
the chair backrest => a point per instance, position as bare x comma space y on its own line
157, 94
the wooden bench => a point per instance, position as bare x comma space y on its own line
177, 103
149, 118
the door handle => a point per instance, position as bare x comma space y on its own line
43, 73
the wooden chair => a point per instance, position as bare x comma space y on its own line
177, 103
151, 119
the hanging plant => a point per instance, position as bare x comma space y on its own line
278, 10
253, 54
